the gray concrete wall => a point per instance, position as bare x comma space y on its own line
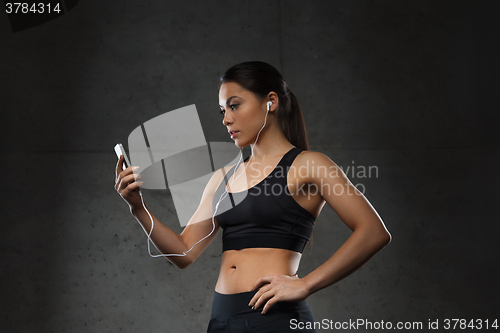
408, 87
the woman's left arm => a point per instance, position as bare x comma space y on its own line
369, 236
369, 232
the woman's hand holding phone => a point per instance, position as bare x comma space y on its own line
127, 186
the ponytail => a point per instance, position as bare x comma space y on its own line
292, 122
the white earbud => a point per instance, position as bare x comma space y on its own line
269, 105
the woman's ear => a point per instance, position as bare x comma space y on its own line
273, 98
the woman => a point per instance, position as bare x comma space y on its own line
267, 206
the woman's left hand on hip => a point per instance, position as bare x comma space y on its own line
277, 288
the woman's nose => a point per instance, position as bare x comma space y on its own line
226, 120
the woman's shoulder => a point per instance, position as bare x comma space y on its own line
311, 158
317, 164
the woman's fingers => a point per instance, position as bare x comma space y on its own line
119, 166
273, 290
130, 188
126, 181
122, 174
274, 299
264, 298
262, 281
127, 184
254, 302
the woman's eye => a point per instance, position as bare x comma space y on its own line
232, 106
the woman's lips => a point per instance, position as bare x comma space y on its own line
233, 134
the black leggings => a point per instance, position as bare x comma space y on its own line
231, 314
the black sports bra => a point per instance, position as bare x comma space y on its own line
266, 215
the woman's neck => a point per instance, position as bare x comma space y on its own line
269, 144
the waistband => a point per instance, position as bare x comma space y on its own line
228, 305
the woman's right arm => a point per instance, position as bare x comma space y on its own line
165, 239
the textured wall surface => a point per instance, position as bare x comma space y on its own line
408, 87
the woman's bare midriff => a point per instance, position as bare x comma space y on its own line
240, 269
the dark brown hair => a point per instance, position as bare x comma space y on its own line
261, 78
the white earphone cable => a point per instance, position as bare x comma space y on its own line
216, 206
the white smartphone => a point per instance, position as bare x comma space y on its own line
120, 151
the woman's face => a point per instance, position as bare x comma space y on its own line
243, 113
